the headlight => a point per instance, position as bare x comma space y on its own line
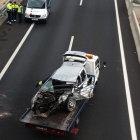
44, 15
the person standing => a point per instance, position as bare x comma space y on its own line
14, 11
20, 12
9, 11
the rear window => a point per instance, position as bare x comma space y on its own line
74, 59
97, 63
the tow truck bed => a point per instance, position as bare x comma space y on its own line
60, 120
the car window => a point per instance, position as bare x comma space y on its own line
78, 81
83, 75
87, 67
48, 86
97, 63
74, 59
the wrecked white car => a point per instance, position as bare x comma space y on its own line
75, 80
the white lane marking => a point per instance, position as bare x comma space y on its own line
127, 89
16, 51
71, 42
81, 2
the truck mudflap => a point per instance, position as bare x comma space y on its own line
57, 123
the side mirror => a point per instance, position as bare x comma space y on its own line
48, 7
104, 64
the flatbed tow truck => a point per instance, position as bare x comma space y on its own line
59, 122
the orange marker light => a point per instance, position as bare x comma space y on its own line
89, 56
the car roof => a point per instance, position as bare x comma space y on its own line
68, 72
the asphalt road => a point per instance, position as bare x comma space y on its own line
94, 27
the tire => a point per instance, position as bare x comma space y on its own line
26, 20
71, 104
45, 21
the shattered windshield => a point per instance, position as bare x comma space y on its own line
48, 86
36, 4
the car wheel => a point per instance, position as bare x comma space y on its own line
45, 21
26, 20
71, 104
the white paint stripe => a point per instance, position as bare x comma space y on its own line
16, 51
127, 89
71, 42
81, 2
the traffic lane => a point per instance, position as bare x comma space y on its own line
118, 68
133, 66
110, 116
31, 133
43, 40
53, 37
10, 37
39, 133
39, 56
9, 41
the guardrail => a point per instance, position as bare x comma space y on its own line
135, 28
136, 32
3, 9
136, 1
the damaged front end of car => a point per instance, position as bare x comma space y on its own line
49, 98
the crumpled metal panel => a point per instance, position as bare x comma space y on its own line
83, 93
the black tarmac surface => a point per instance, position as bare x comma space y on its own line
94, 27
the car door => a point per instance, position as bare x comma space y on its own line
85, 89
97, 67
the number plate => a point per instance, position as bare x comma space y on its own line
35, 19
